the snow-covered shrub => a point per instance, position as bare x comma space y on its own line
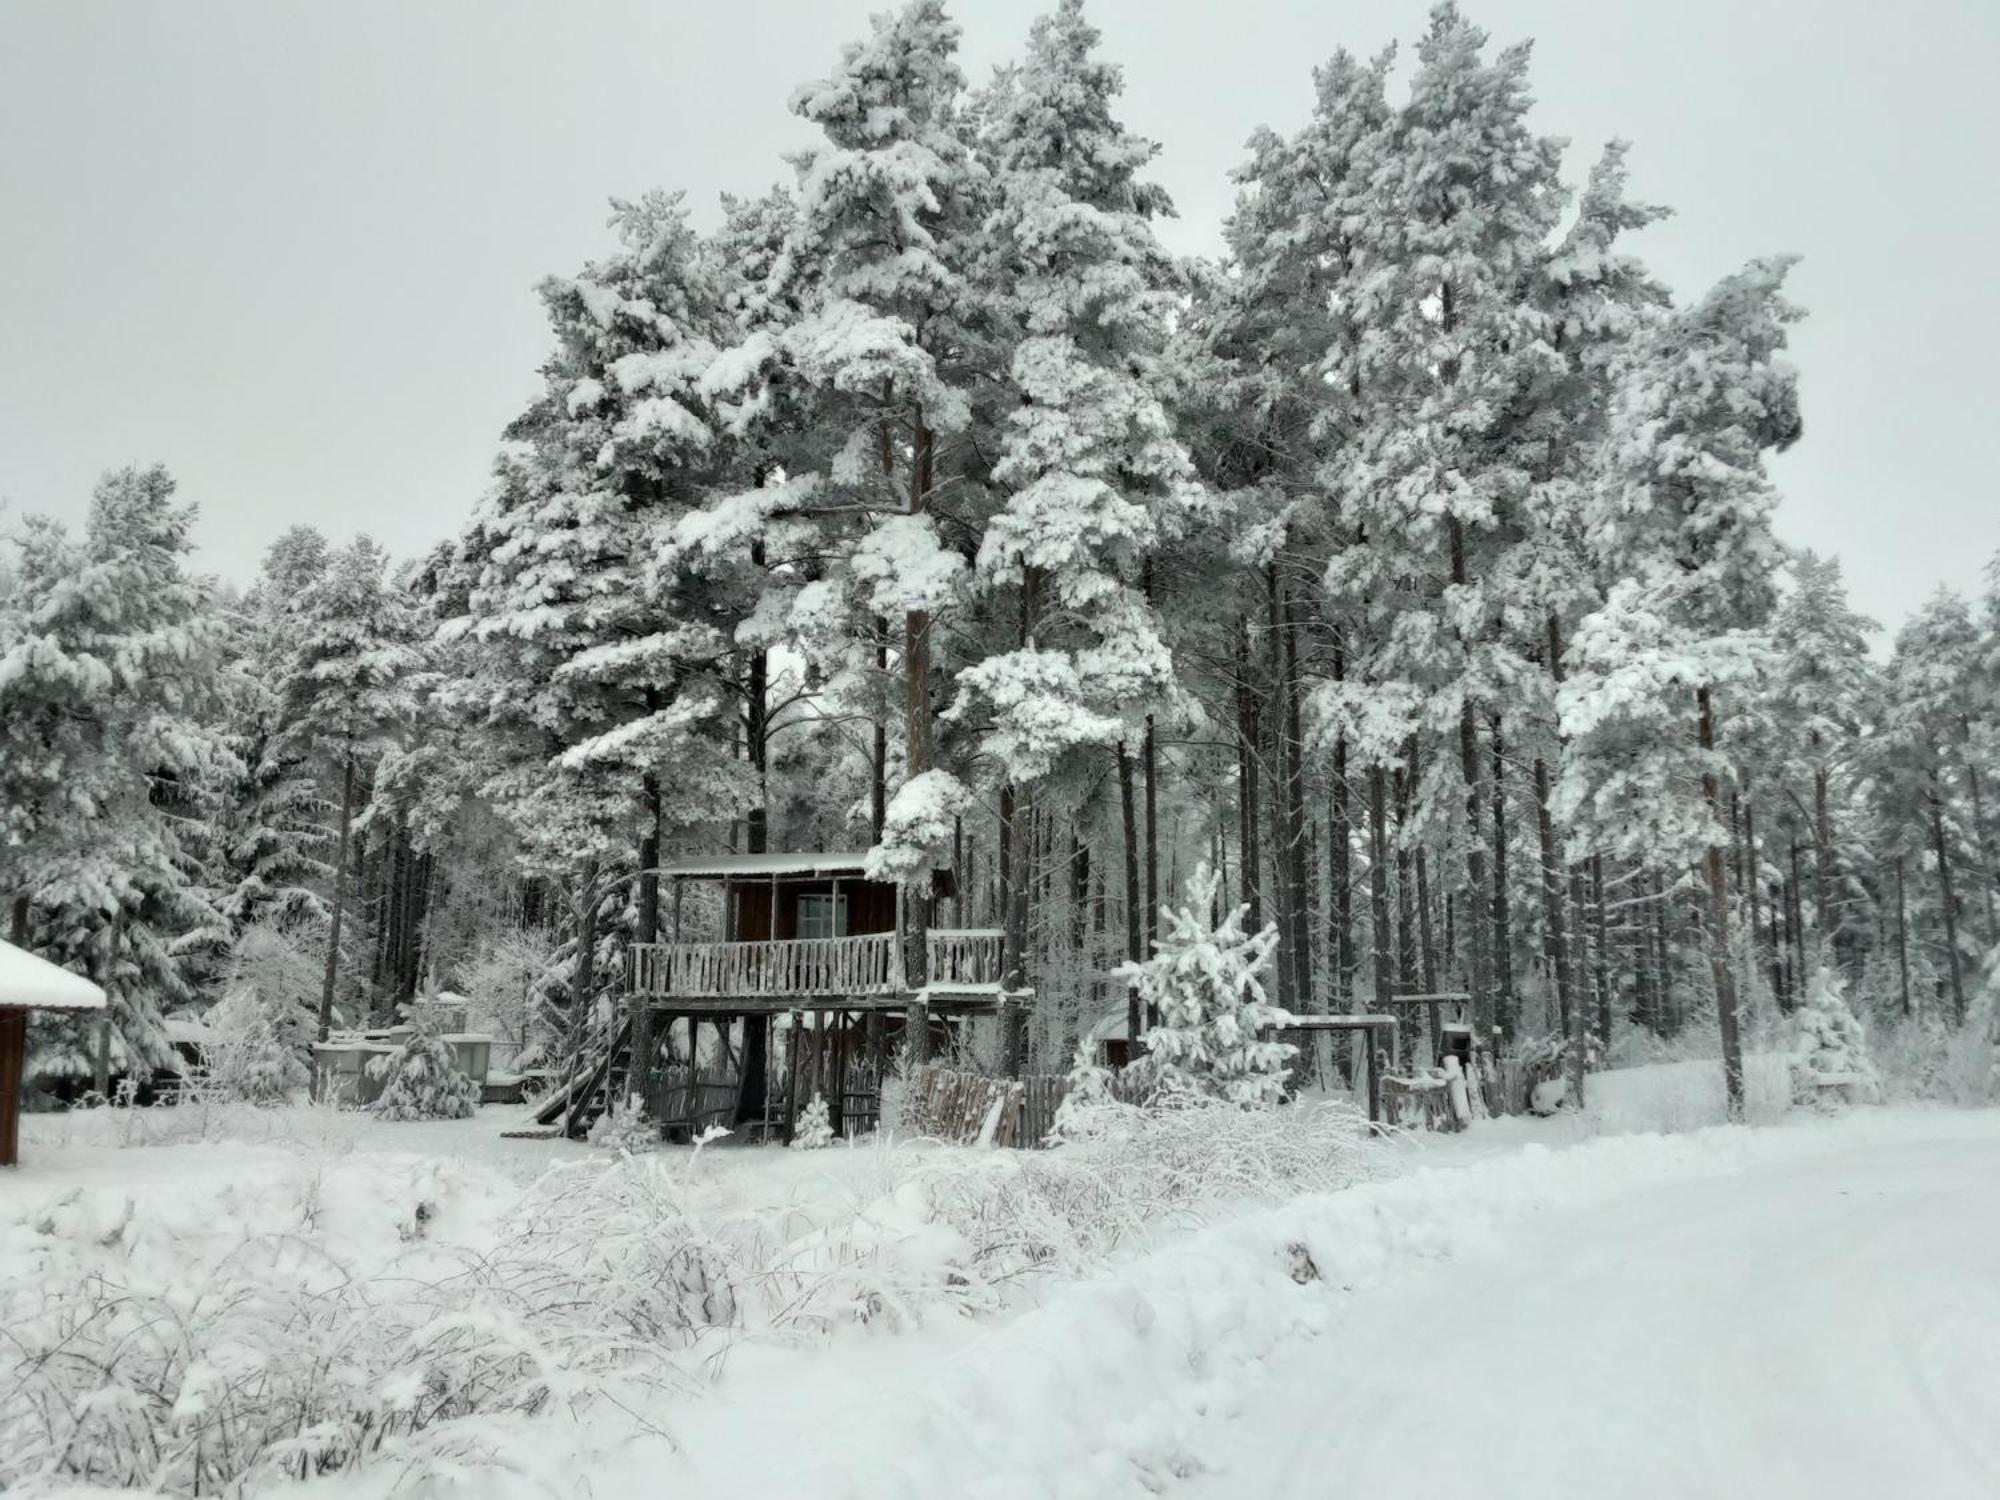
510, 995
421, 1082
1179, 1162
1086, 1098
1829, 1060
1204, 982
625, 1128
814, 1131
278, 961
247, 1062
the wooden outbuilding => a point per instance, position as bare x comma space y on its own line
28, 983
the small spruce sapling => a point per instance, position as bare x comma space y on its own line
625, 1128
1831, 1059
815, 1128
1203, 982
1085, 1099
421, 1082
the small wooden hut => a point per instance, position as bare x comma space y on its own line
28, 983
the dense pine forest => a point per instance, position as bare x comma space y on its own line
1411, 567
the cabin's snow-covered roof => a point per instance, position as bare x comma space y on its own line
813, 863
31, 983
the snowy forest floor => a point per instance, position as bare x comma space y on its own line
1551, 1307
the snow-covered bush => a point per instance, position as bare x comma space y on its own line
625, 1128
1830, 1061
247, 1062
1204, 982
814, 1131
278, 961
508, 988
421, 1082
1086, 1098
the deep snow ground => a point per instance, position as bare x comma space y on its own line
1530, 1309
1822, 1324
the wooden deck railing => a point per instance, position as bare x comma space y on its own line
862, 965
965, 955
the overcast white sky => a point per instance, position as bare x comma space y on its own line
290, 249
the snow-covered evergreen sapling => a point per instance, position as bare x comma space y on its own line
1204, 983
1086, 1099
815, 1127
625, 1128
1831, 1061
422, 1083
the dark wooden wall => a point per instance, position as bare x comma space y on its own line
871, 907
13, 1058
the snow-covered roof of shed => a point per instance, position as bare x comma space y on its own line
31, 983
811, 863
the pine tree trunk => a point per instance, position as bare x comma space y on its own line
878, 761
1479, 939
1505, 1006
1753, 881
919, 757
1602, 946
1151, 755
1799, 923
1340, 880
1133, 927
17, 926
1291, 759
1718, 916
1903, 939
1979, 841
1249, 857
1016, 812
1949, 901
1555, 938
332, 973
1408, 974
1823, 860
1378, 881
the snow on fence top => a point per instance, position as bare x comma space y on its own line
31, 983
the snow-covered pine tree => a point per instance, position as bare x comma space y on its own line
272, 825
1462, 201
1682, 517
1825, 687
889, 331
348, 696
815, 1127
110, 685
1830, 1059
1918, 764
420, 1081
1205, 982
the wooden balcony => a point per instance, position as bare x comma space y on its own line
864, 968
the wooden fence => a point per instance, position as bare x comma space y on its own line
951, 1105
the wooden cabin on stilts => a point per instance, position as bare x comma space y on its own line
782, 977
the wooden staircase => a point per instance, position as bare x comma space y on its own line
601, 1076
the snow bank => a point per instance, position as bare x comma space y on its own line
237, 1313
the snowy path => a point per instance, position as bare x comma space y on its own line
1826, 1326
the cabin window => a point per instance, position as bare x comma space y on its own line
822, 916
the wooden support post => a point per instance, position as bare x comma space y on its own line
13, 1056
